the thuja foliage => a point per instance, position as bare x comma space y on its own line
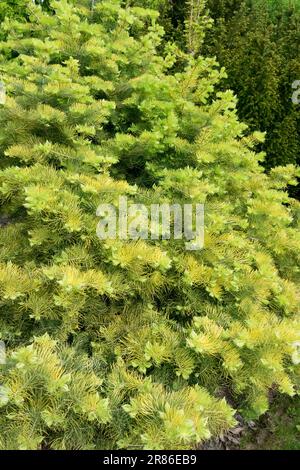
114, 343
258, 43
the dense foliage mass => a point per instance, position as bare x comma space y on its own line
258, 42
112, 344
259, 46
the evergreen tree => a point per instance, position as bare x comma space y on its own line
258, 43
117, 343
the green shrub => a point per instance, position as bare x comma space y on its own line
118, 343
258, 42
9, 8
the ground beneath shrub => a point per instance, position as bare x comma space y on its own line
279, 429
